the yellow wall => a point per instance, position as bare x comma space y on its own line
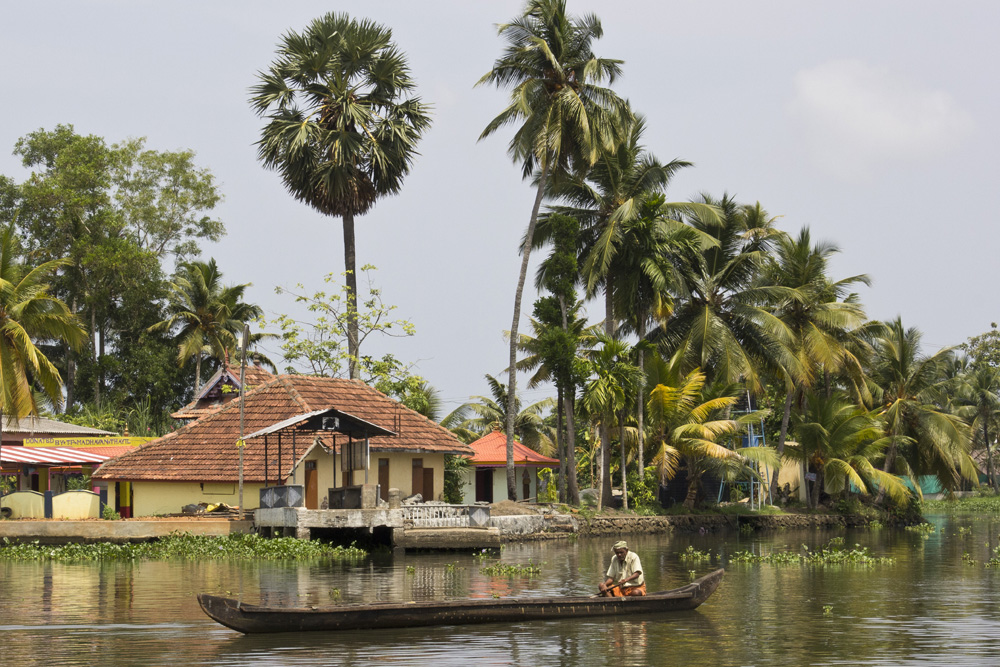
25, 504
790, 473
76, 505
151, 498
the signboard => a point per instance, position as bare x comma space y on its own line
83, 441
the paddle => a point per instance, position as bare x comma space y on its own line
609, 588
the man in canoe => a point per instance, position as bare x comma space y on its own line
624, 577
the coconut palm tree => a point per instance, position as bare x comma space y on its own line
840, 441
30, 315
564, 117
211, 316
688, 430
340, 129
721, 323
923, 439
817, 312
612, 384
978, 399
491, 411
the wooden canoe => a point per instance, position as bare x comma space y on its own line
251, 619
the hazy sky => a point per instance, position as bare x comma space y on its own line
874, 123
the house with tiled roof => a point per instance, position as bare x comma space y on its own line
220, 389
486, 477
200, 461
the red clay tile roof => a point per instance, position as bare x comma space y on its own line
211, 399
205, 450
492, 450
111, 450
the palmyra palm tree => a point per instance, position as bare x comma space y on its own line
564, 117
340, 130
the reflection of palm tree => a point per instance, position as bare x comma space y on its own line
339, 132
839, 441
491, 412
924, 440
210, 315
565, 118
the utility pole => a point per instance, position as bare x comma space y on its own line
243, 367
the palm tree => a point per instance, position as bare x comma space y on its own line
340, 130
613, 382
817, 312
923, 439
721, 324
565, 119
978, 397
840, 441
491, 411
211, 316
687, 429
28, 315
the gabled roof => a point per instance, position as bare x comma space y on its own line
205, 450
492, 450
33, 426
211, 397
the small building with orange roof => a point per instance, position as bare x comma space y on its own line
486, 478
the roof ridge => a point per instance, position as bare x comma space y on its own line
293, 391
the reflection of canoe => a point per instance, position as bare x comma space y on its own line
250, 619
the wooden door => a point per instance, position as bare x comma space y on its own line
484, 485
428, 484
417, 479
312, 486
383, 479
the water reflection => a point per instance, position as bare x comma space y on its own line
929, 607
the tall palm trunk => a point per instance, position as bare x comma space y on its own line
512, 372
694, 485
350, 260
621, 437
640, 402
572, 488
560, 445
989, 457
782, 435
603, 465
609, 329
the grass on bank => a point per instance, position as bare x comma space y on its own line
983, 503
183, 546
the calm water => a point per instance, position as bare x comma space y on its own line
929, 608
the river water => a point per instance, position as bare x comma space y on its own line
928, 608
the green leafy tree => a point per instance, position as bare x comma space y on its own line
340, 131
564, 118
984, 348
978, 402
317, 346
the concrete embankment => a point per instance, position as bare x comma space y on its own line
64, 532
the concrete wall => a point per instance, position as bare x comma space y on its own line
76, 505
24, 504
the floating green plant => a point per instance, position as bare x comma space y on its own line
511, 570
692, 555
923, 528
183, 546
832, 553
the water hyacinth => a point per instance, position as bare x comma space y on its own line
832, 553
511, 570
183, 546
692, 555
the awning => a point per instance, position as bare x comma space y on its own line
49, 455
